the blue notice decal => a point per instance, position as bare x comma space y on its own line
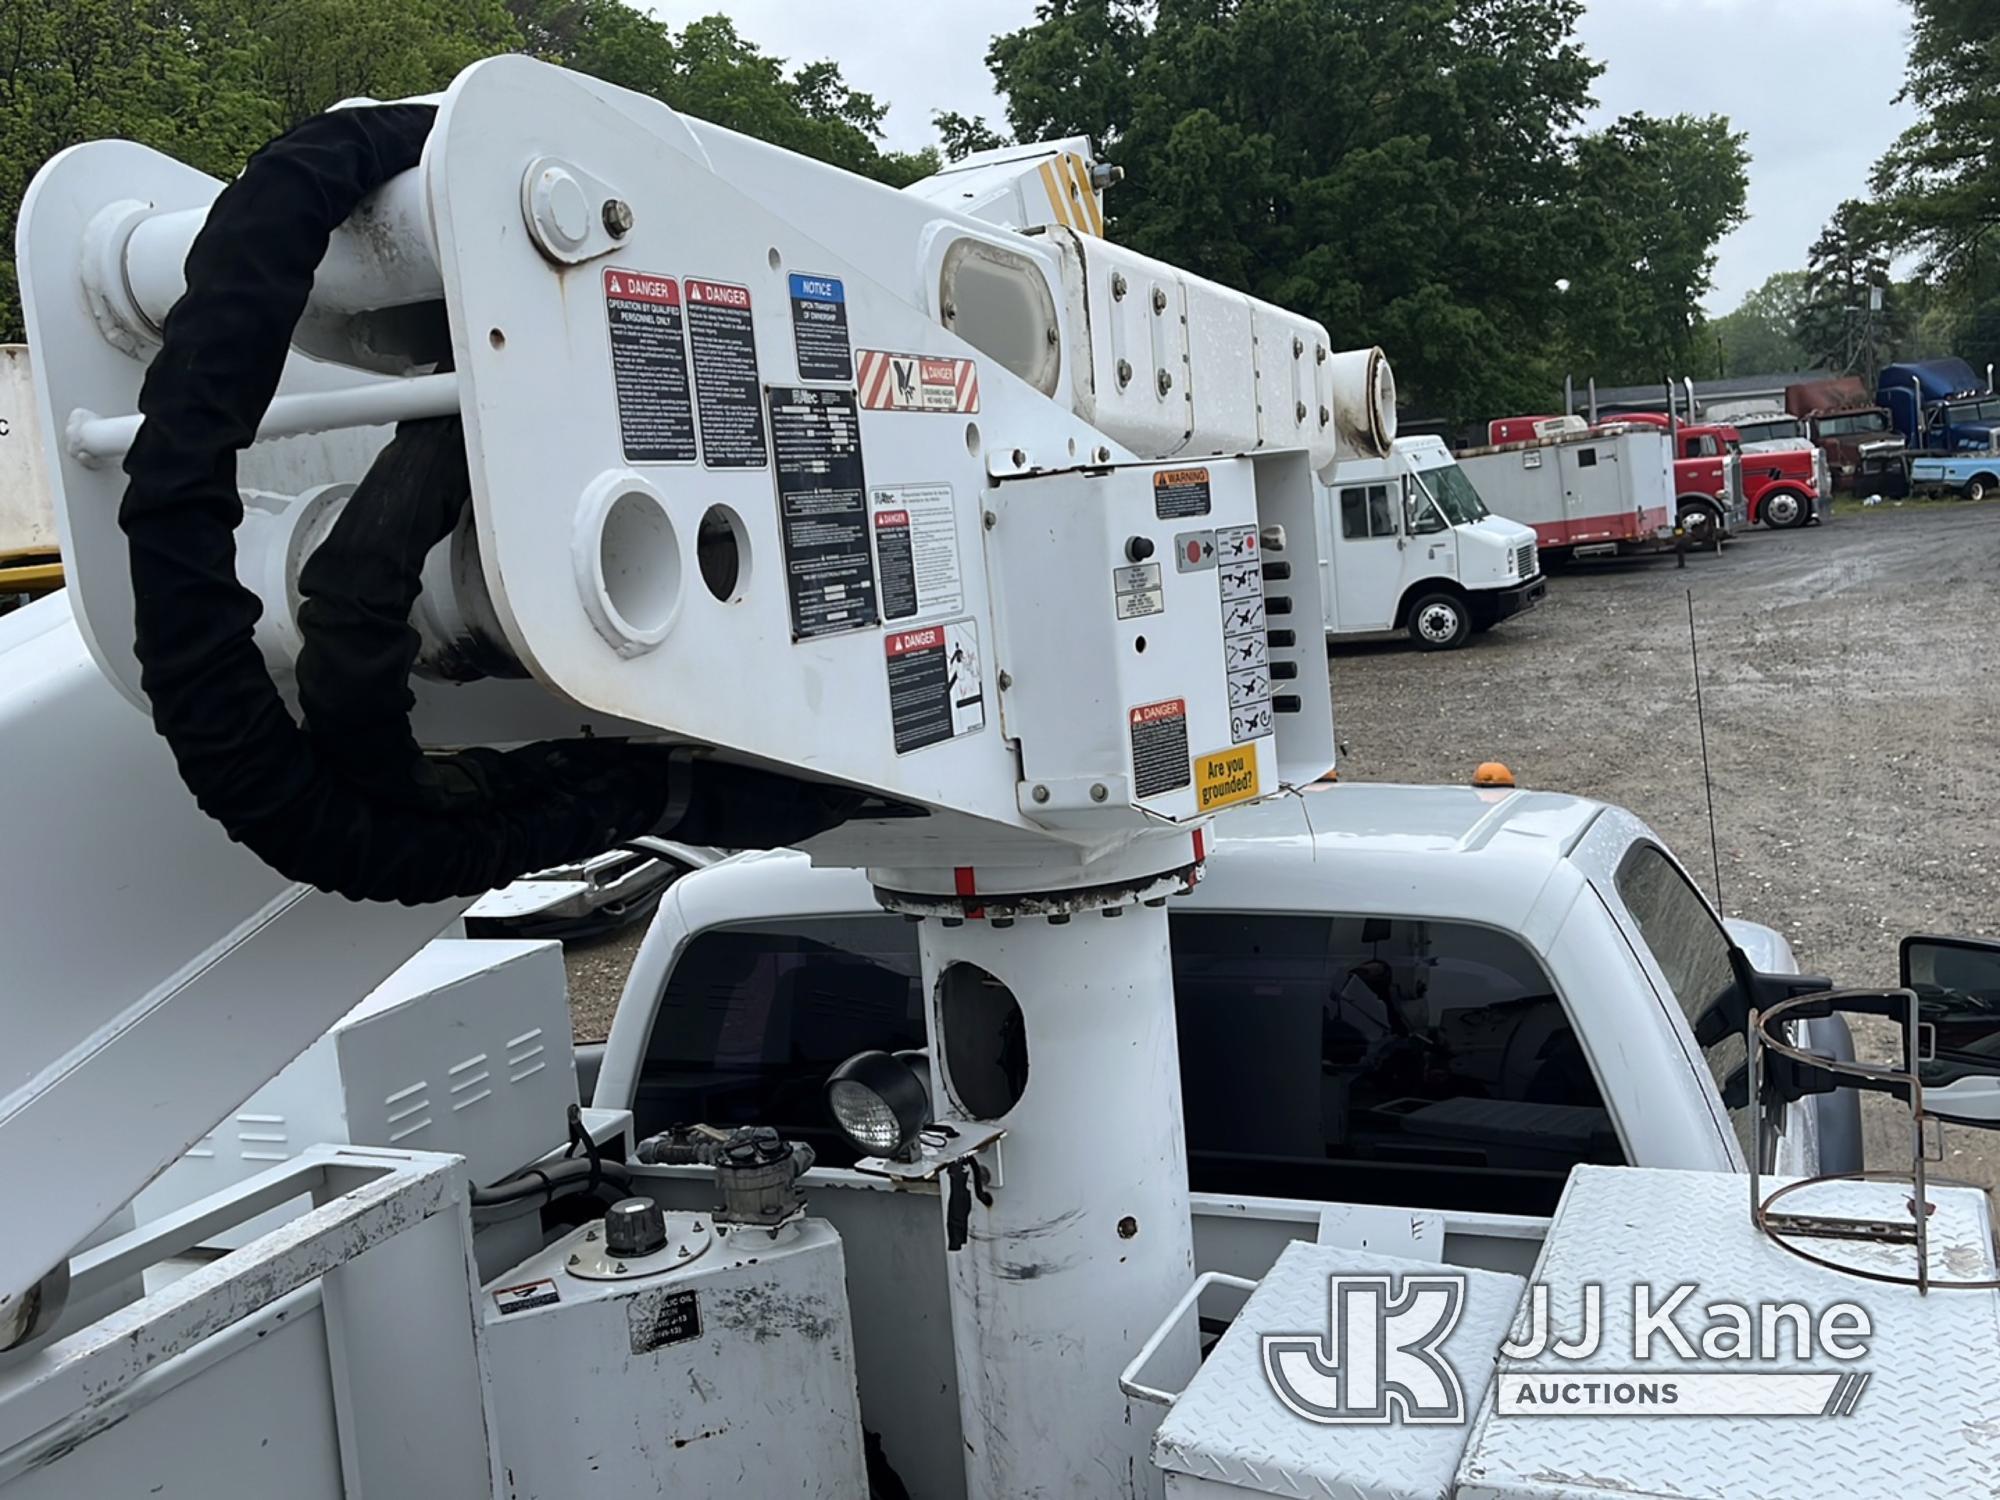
818, 288
819, 328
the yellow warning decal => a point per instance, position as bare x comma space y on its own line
1225, 776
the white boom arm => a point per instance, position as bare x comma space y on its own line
765, 460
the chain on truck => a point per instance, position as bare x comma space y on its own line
482, 481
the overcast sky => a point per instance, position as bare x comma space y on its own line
1810, 81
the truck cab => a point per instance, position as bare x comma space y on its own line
1413, 547
1432, 997
1784, 482
1940, 406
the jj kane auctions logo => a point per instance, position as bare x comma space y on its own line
1382, 1357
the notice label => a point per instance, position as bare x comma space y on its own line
513, 1299
649, 367
656, 1319
1180, 493
1246, 645
1136, 590
819, 328
935, 689
1225, 776
916, 549
1159, 747
727, 391
822, 511
911, 382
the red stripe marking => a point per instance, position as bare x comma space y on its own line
1200, 846
963, 882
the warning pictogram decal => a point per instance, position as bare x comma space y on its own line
913, 382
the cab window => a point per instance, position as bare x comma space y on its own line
1692, 951
1702, 446
1363, 1059
1365, 511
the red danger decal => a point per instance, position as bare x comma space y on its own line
718, 293
1147, 713
904, 642
642, 288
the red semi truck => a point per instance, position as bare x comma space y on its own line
1781, 486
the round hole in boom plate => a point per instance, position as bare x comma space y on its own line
496, 338
1140, 645
627, 555
972, 438
722, 552
777, 260
985, 1041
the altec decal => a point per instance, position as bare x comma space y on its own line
915, 382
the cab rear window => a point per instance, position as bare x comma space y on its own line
1356, 1059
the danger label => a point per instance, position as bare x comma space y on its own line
1159, 747
822, 511
916, 551
513, 1299
728, 394
1225, 776
936, 692
912, 382
649, 367
1180, 493
819, 328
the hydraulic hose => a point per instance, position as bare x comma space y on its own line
349, 802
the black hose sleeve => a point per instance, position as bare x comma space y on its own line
271, 785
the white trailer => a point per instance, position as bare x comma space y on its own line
1586, 491
1410, 545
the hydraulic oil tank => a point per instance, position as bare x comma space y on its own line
650, 1348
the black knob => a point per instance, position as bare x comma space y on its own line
1139, 548
634, 1226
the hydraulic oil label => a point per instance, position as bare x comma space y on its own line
819, 328
1159, 747
728, 393
649, 367
822, 511
936, 692
658, 1319
1225, 776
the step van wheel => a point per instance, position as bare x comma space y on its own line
1440, 621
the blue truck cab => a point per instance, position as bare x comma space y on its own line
1940, 406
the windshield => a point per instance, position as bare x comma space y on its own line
1861, 421
1764, 432
1453, 494
1987, 410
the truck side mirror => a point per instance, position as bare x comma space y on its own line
1957, 984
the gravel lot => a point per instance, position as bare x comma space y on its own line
1849, 704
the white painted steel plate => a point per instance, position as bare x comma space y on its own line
1926, 1424
1230, 1427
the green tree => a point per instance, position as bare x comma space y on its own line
711, 72
1938, 187
1651, 197
1409, 172
1757, 338
959, 137
1386, 166
1850, 316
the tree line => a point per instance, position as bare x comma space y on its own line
1932, 207
1413, 173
